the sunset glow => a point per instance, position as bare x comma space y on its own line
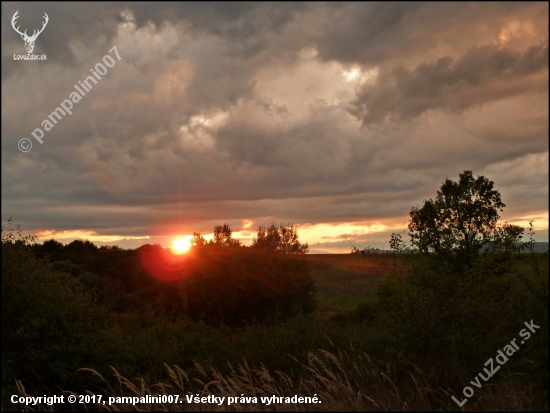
181, 245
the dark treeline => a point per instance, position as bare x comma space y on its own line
217, 282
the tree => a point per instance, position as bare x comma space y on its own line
50, 322
198, 240
223, 237
282, 239
461, 222
51, 248
453, 295
267, 282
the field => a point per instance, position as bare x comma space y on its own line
345, 280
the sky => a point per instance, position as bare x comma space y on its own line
335, 117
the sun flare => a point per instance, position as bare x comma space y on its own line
181, 245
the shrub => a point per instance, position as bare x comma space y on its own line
48, 319
238, 286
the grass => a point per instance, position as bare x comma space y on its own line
344, 280
524, 262
335, 381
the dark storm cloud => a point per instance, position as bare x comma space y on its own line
372, 33
241, 25
234, 21
484, 74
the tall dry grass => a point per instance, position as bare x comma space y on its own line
342, 381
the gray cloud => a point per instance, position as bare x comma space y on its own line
482, 75
374, 33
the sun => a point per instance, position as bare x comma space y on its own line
181, 245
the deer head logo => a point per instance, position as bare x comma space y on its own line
29, 40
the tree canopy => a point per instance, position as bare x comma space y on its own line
462, 221
282, 239
223, 237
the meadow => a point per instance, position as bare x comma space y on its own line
343, 281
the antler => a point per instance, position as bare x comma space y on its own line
24, 34
15, 17
35, 35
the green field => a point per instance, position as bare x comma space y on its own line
344, 280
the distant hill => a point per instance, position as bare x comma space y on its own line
540, 247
